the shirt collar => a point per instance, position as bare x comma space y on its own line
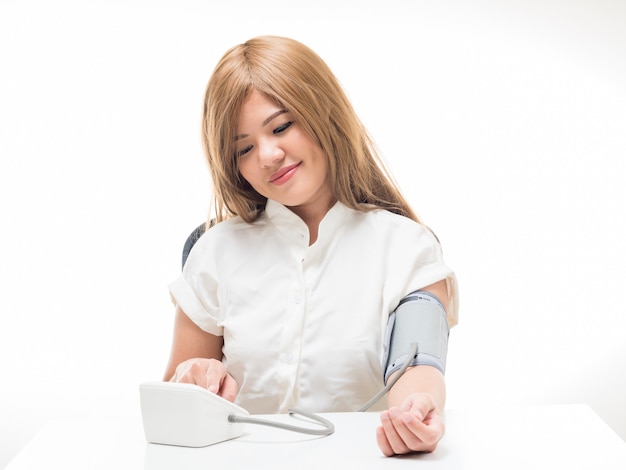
294, 228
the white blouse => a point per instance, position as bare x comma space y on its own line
303, 326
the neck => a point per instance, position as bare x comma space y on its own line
312, 215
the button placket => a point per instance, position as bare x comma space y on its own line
292, 334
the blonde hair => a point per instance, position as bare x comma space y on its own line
296, 78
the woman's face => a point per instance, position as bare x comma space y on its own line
278, 159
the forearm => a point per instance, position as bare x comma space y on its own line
420, 379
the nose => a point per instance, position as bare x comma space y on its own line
270, 153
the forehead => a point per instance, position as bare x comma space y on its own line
256, 104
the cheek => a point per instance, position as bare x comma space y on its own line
249, 173
322, 164
246, 171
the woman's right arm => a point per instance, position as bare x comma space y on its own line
196, 357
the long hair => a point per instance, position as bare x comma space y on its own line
296, 78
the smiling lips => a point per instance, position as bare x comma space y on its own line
284, 174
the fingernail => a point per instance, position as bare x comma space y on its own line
385, 415
394, 412
407, 418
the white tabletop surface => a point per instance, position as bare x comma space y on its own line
538, 437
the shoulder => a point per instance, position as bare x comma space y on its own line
232, 228
394, 226
231, 232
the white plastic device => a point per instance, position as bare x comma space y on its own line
187, 415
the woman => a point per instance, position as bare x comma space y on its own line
285, 302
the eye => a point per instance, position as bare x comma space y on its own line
243, 151
282, 128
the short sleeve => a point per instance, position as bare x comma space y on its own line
195, 291
184, 296
416, 261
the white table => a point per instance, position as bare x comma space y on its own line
542, 437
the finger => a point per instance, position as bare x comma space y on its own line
383, 443
191, 372
197, 374
185, 379
229, 388
418, 435
181, 373
214, 376
388, 420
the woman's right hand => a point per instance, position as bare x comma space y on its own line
208, 373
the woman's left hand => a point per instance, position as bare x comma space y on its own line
415, 426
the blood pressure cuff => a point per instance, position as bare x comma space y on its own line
419, 318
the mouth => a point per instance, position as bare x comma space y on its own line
284, 174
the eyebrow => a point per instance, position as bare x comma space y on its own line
264, 123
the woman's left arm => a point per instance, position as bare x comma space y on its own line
414, 421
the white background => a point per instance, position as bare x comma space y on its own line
504, 122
